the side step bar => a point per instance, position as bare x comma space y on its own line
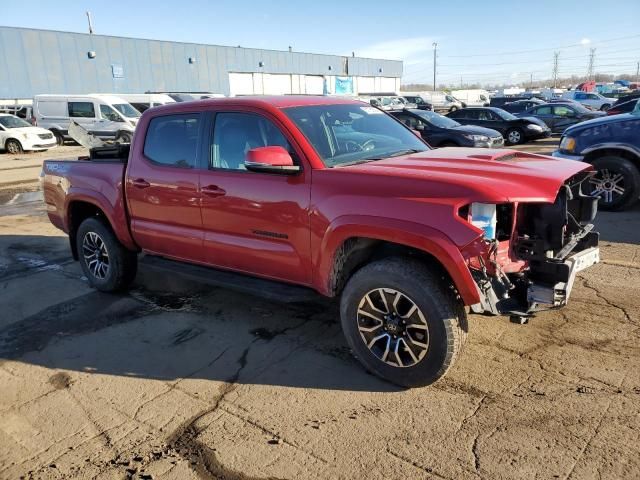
267, 289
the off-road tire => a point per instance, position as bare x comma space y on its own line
508, 134
123, 263
13, 147
631, 179
442, 307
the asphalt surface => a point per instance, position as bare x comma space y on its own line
176, 380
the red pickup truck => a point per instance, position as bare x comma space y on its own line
335, 196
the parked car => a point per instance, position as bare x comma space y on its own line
624, 107
559, 116
612, 145
572, 102
514, 130
592, 99
404, 235
144, 101
519, 106
626, 98
18, 135
440, 131
105, 116
440, 101
502, 100
419, 100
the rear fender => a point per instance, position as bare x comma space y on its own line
420, 237
114, 214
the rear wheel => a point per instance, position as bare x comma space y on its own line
108, 266
59, 137
403, 323
514, 136
13, 146
616, 182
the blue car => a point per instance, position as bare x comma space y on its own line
612, 145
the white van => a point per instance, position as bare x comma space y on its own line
105, 116
473, 97
441, 101
144, 101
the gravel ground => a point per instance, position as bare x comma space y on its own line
176, 380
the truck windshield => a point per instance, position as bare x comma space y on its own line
9, 121
350, 133
126, 110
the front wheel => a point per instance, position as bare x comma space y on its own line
605, 107
13, 147
108, 266
403, 323
514, 136
124, 137
453, 108
616, 182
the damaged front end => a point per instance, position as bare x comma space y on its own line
528, 258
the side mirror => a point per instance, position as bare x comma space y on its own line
274, 159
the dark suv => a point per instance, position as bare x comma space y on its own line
612, 146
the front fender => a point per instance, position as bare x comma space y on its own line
410, 234
115, 213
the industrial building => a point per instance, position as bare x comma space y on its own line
43, 61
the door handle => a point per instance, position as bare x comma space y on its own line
140, 183
213, 191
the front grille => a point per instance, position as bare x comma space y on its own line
45, 136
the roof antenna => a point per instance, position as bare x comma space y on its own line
90, 24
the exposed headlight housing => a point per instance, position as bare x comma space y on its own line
483, 216
535, 128
567, 144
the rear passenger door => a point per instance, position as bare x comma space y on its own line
162, 187
545, 113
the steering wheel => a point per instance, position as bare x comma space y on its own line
353, 146
368, 145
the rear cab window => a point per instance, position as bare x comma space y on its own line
172, 140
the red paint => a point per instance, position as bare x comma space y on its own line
288, 227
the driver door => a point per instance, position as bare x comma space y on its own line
255, 223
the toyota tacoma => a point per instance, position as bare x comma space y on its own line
337, 197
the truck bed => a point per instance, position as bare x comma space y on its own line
98, 177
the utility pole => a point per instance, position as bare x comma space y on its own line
555, 68
591, 57
531, 82
90, 23
435, 49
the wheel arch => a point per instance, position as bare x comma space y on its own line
617, 151
348, 248
80, 207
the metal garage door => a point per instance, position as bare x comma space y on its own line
241, 83
313, 85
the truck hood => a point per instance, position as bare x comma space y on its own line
489, 175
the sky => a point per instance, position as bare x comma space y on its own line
485, 42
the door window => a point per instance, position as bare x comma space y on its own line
235, 134
172, 140
546, 110
109, 113
486, 115
408, 120
563, 111
581, 96
82, 110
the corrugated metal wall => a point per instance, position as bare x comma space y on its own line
42, 61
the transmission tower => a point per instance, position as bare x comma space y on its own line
555, 68
591, 57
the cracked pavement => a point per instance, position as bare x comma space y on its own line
177, 380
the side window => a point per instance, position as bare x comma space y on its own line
581, 96
593, 97
82, 110
484, 115
546, 110
459, 114
235, 134
108, 113
408, 120
172, 140
563, 111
